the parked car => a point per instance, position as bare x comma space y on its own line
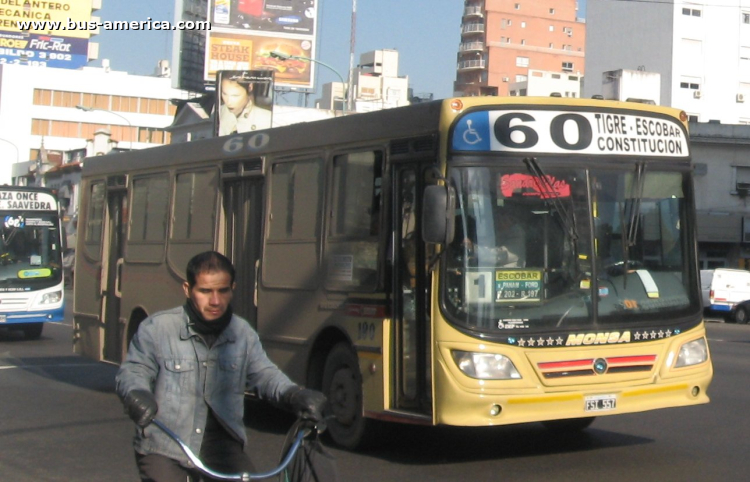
727, 289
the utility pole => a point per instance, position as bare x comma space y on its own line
352, 41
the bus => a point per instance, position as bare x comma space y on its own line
31, 270
374, 260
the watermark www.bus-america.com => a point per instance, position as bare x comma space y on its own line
91, 25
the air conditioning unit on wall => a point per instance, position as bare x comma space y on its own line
740, 97
697, 94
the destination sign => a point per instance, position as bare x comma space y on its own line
27, 201
570, 132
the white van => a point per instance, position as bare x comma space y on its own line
728, 287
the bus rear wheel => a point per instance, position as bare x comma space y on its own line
569, 425
342, 384
32, 331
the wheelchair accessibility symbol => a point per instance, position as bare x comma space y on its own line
471, 136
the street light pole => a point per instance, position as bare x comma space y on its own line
14, 147
92, 109
282, 56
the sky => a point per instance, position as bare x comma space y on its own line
426, 34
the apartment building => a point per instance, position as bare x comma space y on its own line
700, 49
61, 109
501, 40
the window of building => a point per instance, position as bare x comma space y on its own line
551, 11
746, 18
523, 41
690, 85
517, 6
692, 12
568, 30
567, 66
505, 23
555, 76
522, 61
551, 45
741, 181
521, 78
566, 47
523, 24
551, 28
42, 97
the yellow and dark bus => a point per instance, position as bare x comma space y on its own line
468, 262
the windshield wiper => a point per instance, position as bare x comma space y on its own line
548, 192
629, 238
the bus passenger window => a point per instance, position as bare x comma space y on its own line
352, 249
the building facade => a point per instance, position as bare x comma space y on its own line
376, 85
501, 40
61, 109
700, 49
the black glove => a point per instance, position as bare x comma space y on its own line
141, 406
306, 404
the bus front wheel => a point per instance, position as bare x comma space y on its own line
342, 384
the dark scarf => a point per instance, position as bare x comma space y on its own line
209, 330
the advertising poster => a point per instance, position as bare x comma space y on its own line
245, 32
250, 52
30, 33
244, 101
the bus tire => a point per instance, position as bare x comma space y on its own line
568, 425
32, 331
342, 385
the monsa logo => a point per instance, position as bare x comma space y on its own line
598, 338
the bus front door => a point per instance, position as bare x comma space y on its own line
243, 201
114, 238
412, 391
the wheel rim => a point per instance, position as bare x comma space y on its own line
741, 316
343, 396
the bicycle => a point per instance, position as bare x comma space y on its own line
299, 432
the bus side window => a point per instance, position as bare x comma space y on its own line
352, 247
291, 251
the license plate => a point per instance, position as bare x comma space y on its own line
600, 403
3, 318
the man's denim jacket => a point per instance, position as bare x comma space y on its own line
171, 360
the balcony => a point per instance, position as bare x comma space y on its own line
471, 47
473, 11
477, 64
472, 28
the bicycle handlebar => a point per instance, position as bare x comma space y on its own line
244, 476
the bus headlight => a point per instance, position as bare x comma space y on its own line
692, 353
51, 298
486, 366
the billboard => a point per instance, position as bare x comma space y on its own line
244, 101
245, 32
45, 34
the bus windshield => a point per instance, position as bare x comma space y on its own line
541, 248
30, 251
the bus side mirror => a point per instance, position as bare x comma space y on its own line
438, 214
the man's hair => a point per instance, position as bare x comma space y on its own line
207, 262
